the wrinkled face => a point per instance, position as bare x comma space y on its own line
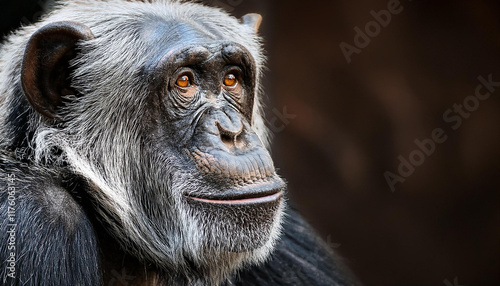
160, 121
205, 187
226, 181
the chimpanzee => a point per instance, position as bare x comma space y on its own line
133, 151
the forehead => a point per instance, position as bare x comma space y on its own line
160, 34
162, 37
175, 43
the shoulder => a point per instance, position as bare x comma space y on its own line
46, 230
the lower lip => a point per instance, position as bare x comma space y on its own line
260, 200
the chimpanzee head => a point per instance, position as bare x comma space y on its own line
156, 107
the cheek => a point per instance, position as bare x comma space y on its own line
248, 105
175, 102
186, 95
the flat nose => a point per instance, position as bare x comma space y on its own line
231, 136
231, 130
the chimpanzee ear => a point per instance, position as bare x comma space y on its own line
45, 69
252, 20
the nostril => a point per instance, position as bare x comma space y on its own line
231, 139
240, 142
227, 140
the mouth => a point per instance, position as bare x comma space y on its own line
258, 200
253, 194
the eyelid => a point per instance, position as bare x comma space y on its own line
236, 70
183, 71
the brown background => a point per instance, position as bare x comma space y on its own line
352, 121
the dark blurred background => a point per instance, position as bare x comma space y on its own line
339, 126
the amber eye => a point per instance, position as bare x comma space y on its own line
230, 80
183, 81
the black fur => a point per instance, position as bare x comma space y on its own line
55, 243
18, 120
300, 258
